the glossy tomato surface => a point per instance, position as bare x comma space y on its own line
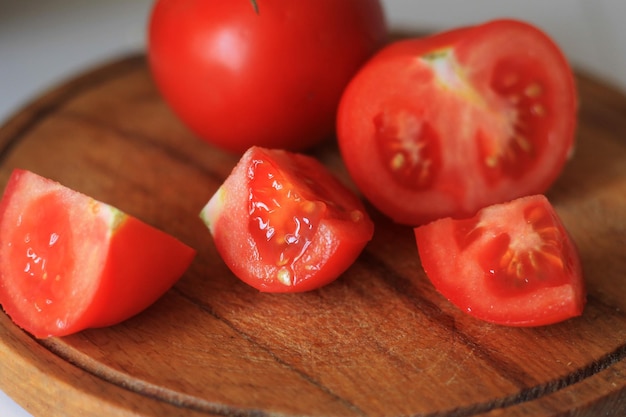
239, 78
69, 262
447, 124
511, 264
283, 223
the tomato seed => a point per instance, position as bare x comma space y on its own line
284, 276
491, 161
533, 91
397, 162
538, 110
356, 216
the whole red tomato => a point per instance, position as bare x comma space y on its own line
268, 73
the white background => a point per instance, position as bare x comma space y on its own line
43, 43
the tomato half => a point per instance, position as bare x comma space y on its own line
239, 78
445, 125
283, 223
512, 263
69, 262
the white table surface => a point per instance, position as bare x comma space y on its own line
43, 43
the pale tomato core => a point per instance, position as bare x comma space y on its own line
525, 101
509, 107
41, 252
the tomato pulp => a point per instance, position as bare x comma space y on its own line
272, 77
69, 262
512, 263
447, 124
283, 223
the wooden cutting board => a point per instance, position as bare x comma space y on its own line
380, 341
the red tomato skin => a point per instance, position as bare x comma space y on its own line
114, 267
461, 274
273, 79
394, 80
336, 244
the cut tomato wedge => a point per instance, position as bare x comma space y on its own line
283, 223
69, 262
511, 264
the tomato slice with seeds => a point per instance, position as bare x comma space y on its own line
447, 124
511, 264
283, 223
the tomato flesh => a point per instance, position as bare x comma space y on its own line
512, 263
69, 262
409, 147
445, 125
283, 223
40, 248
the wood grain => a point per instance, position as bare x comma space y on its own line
380, 341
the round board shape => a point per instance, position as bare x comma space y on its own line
380, 341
